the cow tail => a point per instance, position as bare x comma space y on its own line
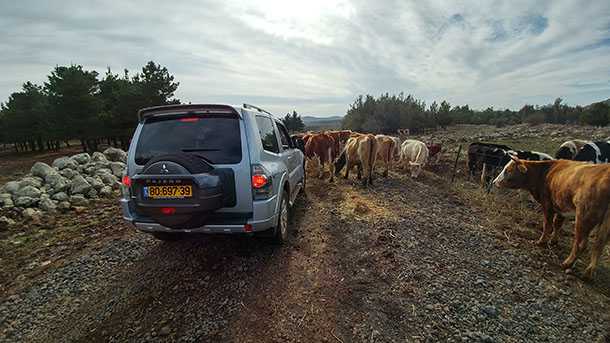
371, 143
390, 152
341, 161
419, 151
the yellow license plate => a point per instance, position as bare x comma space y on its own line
167, 192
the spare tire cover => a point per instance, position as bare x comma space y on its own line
185, 164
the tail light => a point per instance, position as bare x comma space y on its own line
262, 184
126, 186
126, 181
168, 211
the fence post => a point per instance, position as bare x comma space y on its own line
457, 157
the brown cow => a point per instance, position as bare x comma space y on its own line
360, 150
324, 148
562, 187
340, 136
386, 151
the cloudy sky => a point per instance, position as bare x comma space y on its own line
316, 56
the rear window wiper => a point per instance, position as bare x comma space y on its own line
198, 149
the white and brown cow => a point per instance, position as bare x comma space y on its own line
414, 156
561, 187
386, 151
361, 151
568, 149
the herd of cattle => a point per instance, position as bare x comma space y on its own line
348, 149
576, 181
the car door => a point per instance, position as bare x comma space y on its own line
289, 156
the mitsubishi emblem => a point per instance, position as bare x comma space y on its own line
164, 169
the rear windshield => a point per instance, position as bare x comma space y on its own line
215, 137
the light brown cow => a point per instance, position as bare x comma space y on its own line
414, 156
562, 187
361, 151
386, 151
324, 148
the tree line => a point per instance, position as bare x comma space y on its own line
387, 113
78, 104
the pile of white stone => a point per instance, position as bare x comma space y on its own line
71, 181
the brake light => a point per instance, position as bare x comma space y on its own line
168, 211
247, 227
259, 181
126, 180
189, 119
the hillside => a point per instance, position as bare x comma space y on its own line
317, 123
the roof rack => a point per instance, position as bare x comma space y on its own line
257, 108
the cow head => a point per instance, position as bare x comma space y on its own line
514, 174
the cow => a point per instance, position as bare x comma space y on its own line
386, 151
594, 152
562, 187
434, 149
340, 136
298, 142
361, 151
324, 148
485, 154
397, 144
414, 155
568, 150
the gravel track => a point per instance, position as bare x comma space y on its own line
403, 260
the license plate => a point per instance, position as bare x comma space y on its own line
168, 192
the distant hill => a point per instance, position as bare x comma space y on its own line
319, 123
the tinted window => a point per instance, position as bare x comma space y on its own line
268, 137
284, 137
215, 137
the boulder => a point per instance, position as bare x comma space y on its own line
61, 196
6, 200
101, 165
68, 173
79, 185
30, 181
47, 205
109, 179
115, 155
95, 182
29, 191
92, 194
106, 191
64, 163
25, 201
63, 205
103, 171
42, 169
5, 222
11, 187
82, 158
118, 168
89, 169
78, 200
56, 183
32, 215
98, 157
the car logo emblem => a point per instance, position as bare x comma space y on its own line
164, 169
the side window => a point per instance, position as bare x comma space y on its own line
267, 132
284, 137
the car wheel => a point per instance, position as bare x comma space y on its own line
281, 231
167, 236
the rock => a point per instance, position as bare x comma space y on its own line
490, 311
61, 196
63, 205
164, 331
42, 169
56, 183
68, 173
92, 194
25, 201
118, 168
106, 191
47, 205
115, 155
95, 182
101, 165
98, 157
82, 158
11, 187
65, 163
78, 200
7, 203
29, 191
107, 178
5, 222
79, 185
31, 181
89, 169
32, 215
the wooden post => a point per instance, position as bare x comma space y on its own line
457, 158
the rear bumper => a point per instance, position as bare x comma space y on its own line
264, 218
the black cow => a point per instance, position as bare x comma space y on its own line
485, 154
595, 152
299, 143
531, 155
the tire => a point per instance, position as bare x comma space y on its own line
167, 236
281, 231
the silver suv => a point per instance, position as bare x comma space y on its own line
211, 169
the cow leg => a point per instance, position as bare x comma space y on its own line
558, 220
331, 165
546, 227
359, 171
348, 167
582, 227
597, 250
483, 174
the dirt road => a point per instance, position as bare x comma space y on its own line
403, 260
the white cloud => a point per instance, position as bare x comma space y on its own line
316, 56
